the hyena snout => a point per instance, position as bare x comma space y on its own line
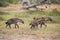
23, 22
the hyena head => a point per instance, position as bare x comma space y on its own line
22, 21
50, 19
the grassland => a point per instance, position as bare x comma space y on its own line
52, 30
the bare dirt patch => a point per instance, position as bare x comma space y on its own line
25, 37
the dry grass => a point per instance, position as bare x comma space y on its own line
52, 29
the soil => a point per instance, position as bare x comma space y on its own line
25, 37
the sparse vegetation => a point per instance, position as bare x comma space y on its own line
11, 9
51, 30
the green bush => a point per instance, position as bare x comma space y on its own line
13, 1
3, 3
55, 1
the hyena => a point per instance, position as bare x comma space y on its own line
13, 21
34, 23
43, 20
39, 21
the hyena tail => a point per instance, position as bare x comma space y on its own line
6, 22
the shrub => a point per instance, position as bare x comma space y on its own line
3, 3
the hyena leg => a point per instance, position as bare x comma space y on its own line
32, 26
16, 25
36, 26
9, 26
44, 24
6, 25
41, 25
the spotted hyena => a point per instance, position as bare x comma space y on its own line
43, 20
34, 23
13, 21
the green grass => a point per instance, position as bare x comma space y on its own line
53, 28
